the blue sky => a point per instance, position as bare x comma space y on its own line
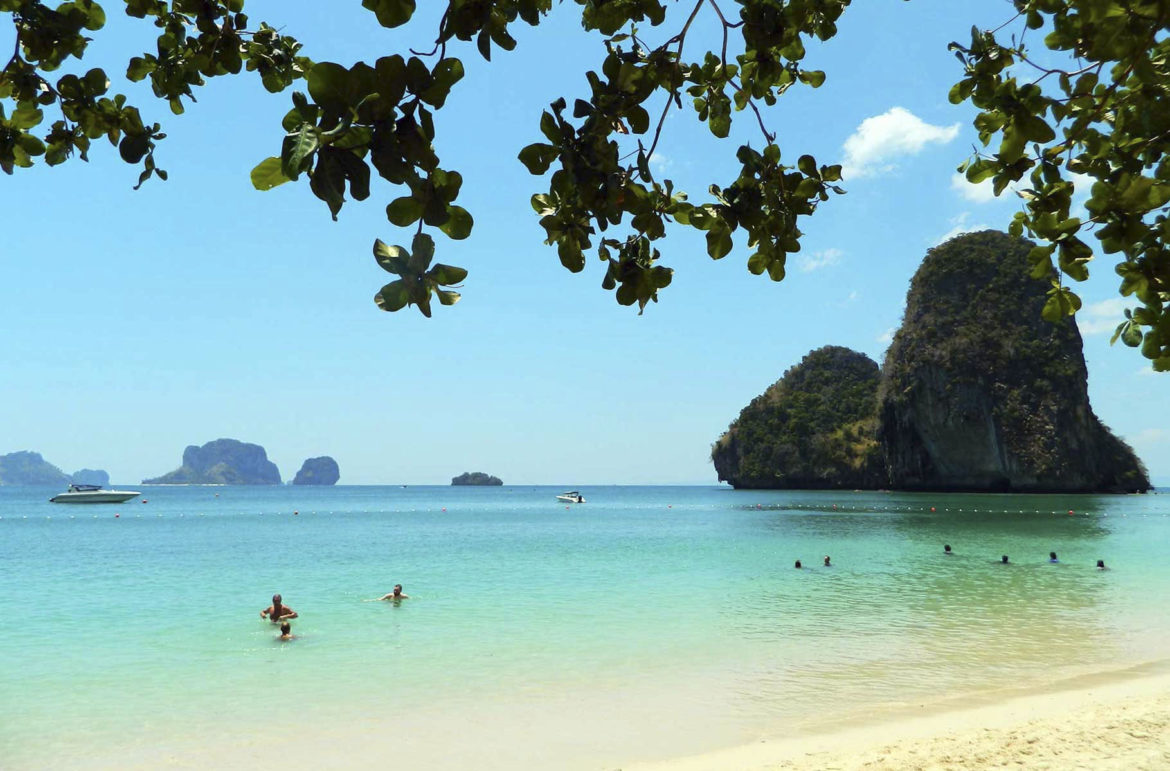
137, 323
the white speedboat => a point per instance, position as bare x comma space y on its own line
571, 497
93, 494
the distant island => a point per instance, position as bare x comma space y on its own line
222, 462
477, 478
30, 468
318, 471
977, 393
88, 476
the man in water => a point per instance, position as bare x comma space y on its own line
797, 565
277, 611
1052, 557
947, 550
285, 631
1003, 560
1101, 565
827, 563
396, 594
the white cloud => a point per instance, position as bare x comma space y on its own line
660, 162
882, 138
887, 336
807, 263
959, 227
1103, 317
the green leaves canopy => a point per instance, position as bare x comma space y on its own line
1105, 119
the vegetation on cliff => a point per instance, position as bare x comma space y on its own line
980, 393
813, 428
977, 392
477, 478
222, 462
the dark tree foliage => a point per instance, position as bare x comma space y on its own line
1104, 116
813, 428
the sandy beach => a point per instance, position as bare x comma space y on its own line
1115, 720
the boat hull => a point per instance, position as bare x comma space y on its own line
105, 496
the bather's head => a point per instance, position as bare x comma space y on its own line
285, 628
276, 600
1004, 559
797, 565
397, 589
1052, 556
946, 548
1100, 564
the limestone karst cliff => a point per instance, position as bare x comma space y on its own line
318, 471
222, 462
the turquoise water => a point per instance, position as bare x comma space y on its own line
538, 635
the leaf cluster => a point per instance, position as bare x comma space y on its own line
1102, 121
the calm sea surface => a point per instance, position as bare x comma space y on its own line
646, 623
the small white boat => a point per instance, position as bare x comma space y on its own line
571, 497
93, 494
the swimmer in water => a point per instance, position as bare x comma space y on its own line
797, 565
285, 631
1052, 557
396, 594
277, 611
827, 563
1003, 560
1101, 565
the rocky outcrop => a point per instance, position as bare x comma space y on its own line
89, 476
977, 393
29, 468
813, 428
980, 393
477, 478
222, 462
318, 471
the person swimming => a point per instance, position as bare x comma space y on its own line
1052, 557
798, 566
1003, 560
396, 594
285, 631
947, 550
1101, 565
827, 563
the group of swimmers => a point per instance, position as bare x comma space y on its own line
279, 613
947, 551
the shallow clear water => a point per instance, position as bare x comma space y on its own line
605, 630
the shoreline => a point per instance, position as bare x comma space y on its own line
1111, 719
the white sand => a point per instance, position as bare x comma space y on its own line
1120, 721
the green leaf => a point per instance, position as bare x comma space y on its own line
391, 13
268, 174
329, 86
459, 223
446, 275
719, 242
297, 151
393, 296
393, 259
404, 211
422, 251
447, 297
538, 157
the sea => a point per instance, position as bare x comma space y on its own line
644, 624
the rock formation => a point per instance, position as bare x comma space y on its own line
980, 393
89, 476
29, 468
813, 428
476, 478
318, 471
977, 393
222, 462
